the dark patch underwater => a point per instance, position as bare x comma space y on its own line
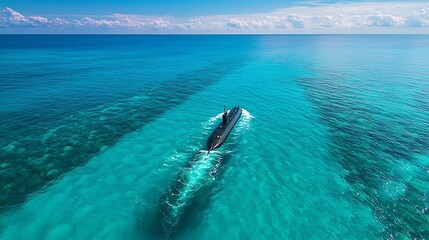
371, 145
32, 161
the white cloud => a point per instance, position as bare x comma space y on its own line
89, 22
297, 20
384, 20
418, 18
338, 18
11, 17
161, 24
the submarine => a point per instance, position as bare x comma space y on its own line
218, 137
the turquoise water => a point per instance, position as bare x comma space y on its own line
103, 137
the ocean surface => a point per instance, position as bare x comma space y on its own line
103, 137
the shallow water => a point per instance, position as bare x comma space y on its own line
102, 137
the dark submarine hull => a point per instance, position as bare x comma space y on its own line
222, 131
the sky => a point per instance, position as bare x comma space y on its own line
211, 17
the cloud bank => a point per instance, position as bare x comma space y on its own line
390, 17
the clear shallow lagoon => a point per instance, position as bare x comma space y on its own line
101, 137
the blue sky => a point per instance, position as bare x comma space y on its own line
150, 7
220, 16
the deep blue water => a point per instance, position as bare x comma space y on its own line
103, 137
